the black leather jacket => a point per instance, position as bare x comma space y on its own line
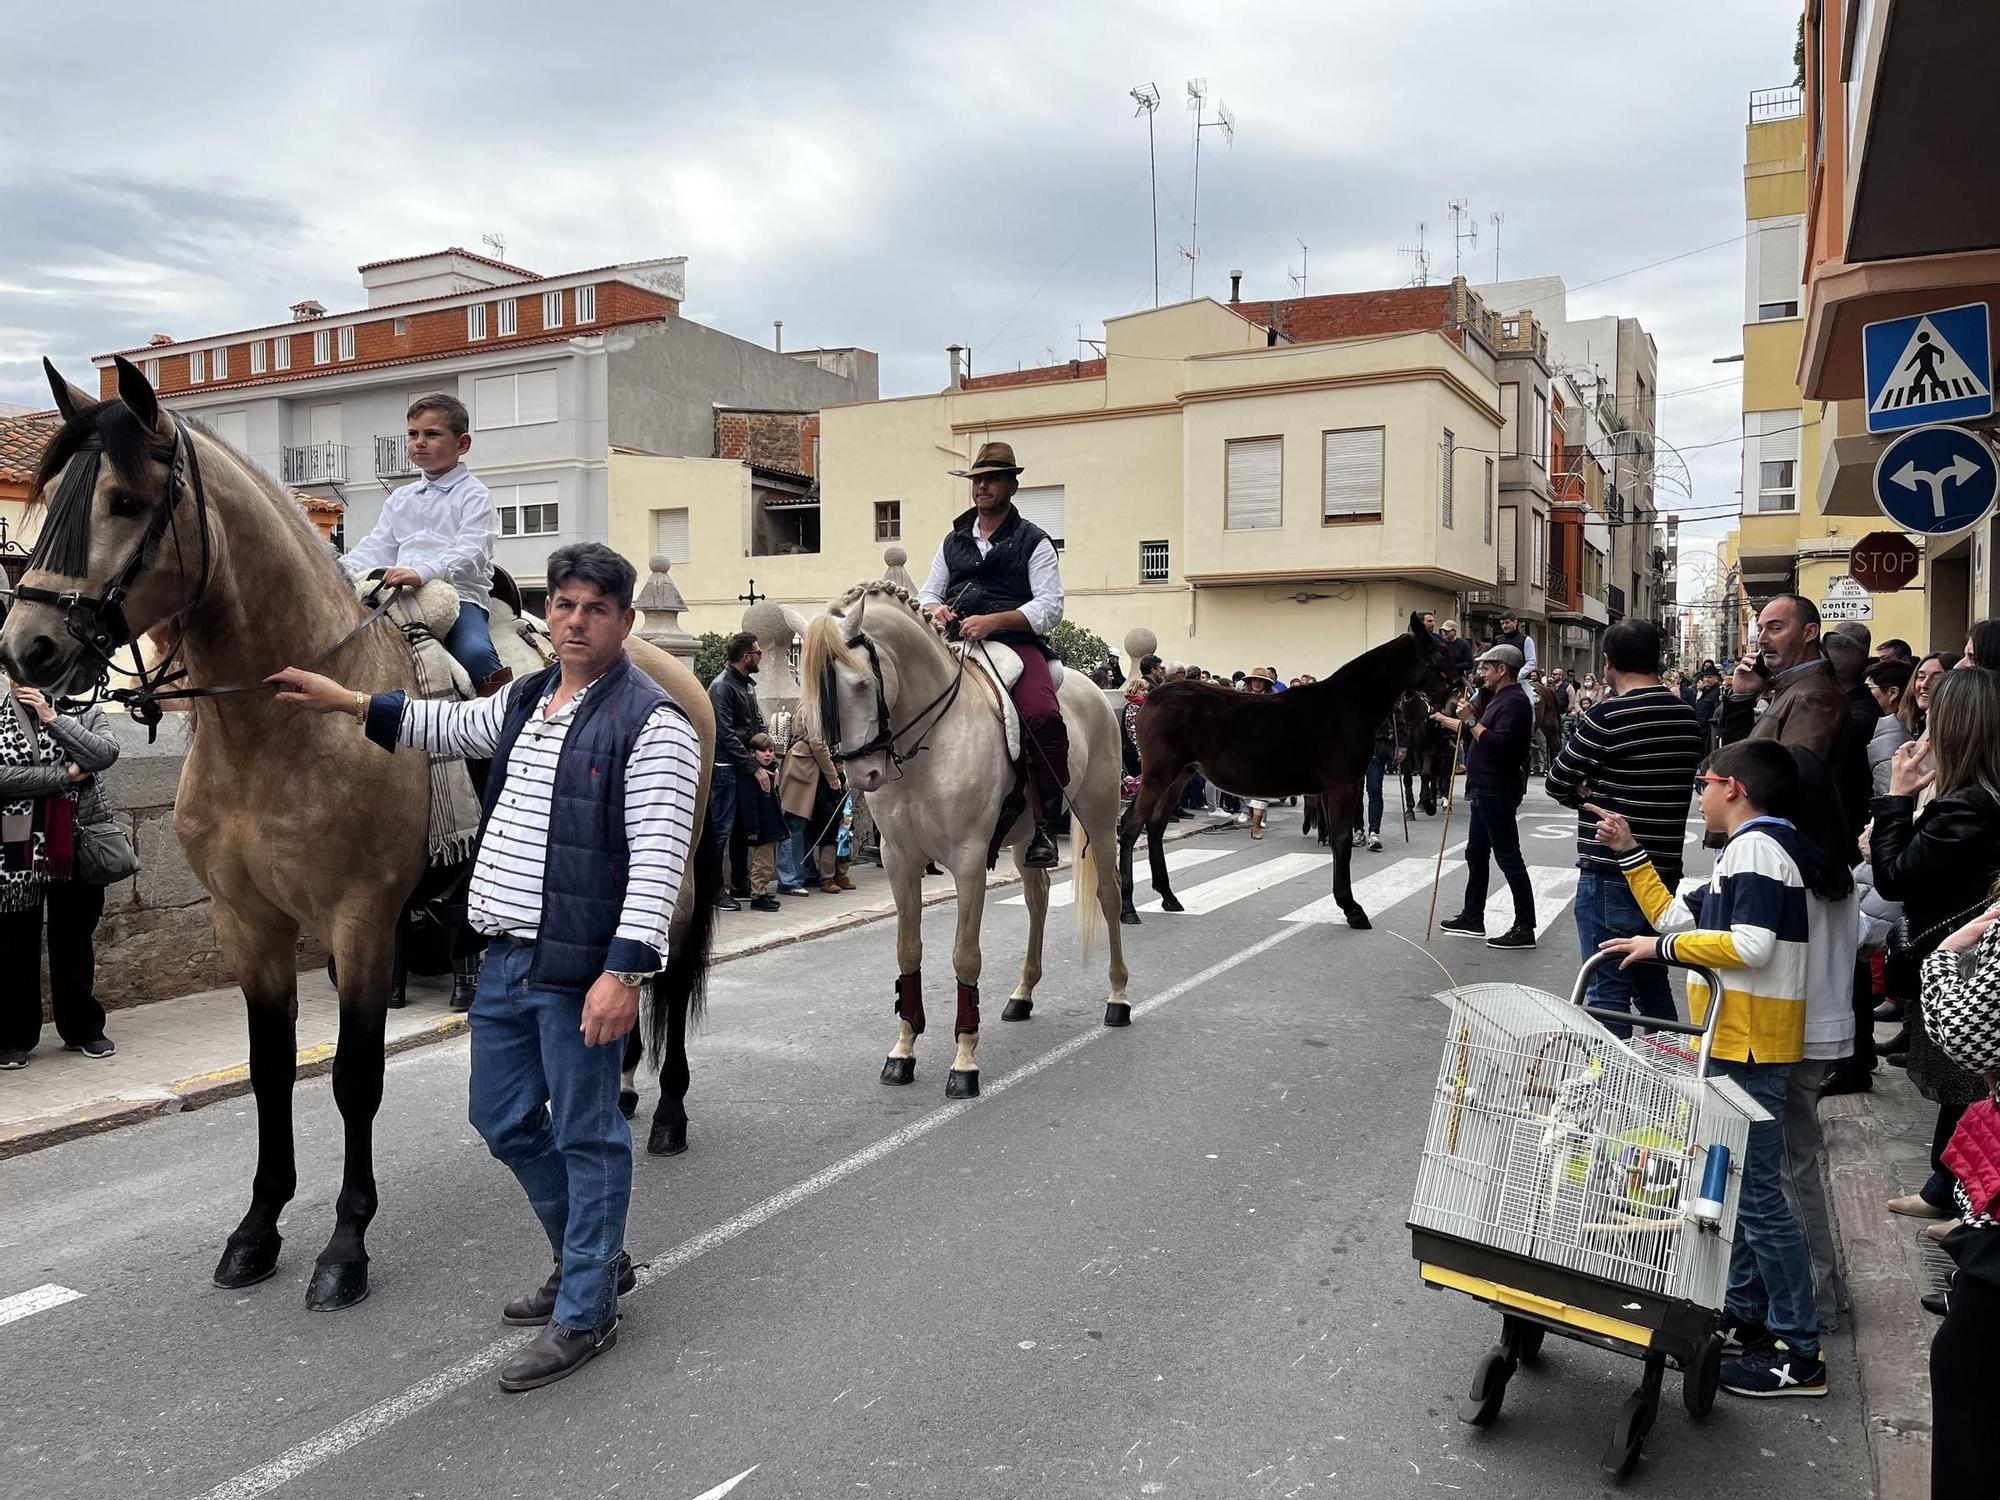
737, 717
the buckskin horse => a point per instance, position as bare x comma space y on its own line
292, 823
925, 741
1310, 739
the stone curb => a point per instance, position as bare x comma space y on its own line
103, 1115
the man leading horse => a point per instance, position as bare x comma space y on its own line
996, 579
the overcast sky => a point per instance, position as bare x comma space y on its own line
897, 176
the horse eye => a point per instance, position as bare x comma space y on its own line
125, 504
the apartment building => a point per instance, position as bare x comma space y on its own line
555, 371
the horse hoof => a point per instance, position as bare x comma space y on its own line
1018, 1009
1171, 902
340, 1284
1129, 916
247, 1263
1358, 920
1117, 1013
628, 1102
667, 1138
962, 1083
899, 1070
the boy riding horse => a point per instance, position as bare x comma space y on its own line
996, 579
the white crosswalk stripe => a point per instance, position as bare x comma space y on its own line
1224, 890
1063, 892
1377, 891
1555, 888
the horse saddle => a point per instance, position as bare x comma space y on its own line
998, 670
426, 616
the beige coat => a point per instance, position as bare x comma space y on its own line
798, 776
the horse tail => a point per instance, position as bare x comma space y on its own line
1089, 913
685, 978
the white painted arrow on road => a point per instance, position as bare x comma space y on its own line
1910, 476
727, 1485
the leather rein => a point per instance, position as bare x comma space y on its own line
886, 734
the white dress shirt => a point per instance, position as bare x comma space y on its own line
661, 775
1044, 611
440, 528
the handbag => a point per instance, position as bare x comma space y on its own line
1973, 1153
1902, 970
104, 856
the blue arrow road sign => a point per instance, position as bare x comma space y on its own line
1936, 480
1935, 367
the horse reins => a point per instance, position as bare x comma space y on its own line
886, 734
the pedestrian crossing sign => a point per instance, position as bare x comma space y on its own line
1934, 367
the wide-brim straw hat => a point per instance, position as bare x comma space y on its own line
993, 458
1263, 674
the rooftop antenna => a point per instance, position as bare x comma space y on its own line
1464, 230
1299, 280
1498, 218
1147, 97
497, 243
1197, 89
1420, 258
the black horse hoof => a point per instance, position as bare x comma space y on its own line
1358, 920
1128, 915
1171, 902
667, 1138
1117, 1013
245, 1263
337, 1285
1018, 1009
962, 1083
899, 1070
628, 1102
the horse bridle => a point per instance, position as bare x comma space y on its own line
886, 734
97, 622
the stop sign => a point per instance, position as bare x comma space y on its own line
1883, 561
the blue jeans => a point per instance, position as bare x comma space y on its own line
1606, 908
547, 1106
1496, 837
792, 860
1376, 769
1770, 1265
470, 643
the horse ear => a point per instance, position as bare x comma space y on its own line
69, 400
136, 391
850, 623
1417, 624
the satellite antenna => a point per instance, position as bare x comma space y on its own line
1464, 230
1197, 89
1147, 97
497, 243
1420, 259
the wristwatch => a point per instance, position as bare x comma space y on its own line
631, 981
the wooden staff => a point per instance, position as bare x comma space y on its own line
1444, 833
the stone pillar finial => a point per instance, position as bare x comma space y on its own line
777, 685
660, 605
894, 571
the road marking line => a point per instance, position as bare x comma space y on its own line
35, 1299
1225, 890
1376, 892
387, 1413
727, 1485
1554, 886
1063, 892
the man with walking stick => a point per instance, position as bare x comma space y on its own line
1496, 777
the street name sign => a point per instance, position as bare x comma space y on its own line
1936, 480
1883, 561
1935, 367
1846, 600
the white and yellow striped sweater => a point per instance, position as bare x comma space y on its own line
1752, 923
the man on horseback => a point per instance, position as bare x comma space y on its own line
996, 579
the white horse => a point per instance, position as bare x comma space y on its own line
921, 733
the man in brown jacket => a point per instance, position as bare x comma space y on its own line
1810, 707
805, 766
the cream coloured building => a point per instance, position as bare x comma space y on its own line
1257, 483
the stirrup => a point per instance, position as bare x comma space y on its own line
491, 685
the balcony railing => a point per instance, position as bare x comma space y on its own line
392, 456
316, 463
1614, 600
1558, 583
1777, 104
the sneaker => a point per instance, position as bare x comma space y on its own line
1463, 927
98, 1046
1513, 937
9, 1061
1375, 842
1741, 1335
1222, 814
1776, 1370
793, 890
1242, 818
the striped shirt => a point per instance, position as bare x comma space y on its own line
1634, 755
660, 779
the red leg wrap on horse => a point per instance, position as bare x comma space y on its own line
910, 1001
968, 1009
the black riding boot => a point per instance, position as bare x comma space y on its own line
464, 981
1041, 851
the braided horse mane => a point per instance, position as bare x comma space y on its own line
825, 643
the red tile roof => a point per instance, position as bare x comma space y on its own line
22, 440
484, 260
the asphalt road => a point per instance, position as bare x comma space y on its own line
1163, 1261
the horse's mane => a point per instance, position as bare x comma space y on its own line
825, 643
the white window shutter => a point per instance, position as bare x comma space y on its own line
670, 535
1510, 542
537, 399
1254, 484
1780, 261
1351, 472
1044, 504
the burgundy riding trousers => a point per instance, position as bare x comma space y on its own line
1047, 750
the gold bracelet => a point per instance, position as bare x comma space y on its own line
361, 707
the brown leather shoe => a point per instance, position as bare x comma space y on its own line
1941, 1229
557, 1353
539, 1305
1915, 1206
496, 682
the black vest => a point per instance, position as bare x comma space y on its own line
998, 581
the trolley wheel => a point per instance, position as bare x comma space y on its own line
1523, 1338
1489, 1388
1628, 1436
1701, 1380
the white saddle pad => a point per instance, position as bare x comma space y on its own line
1001, 666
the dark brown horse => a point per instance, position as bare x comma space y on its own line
1312, 739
